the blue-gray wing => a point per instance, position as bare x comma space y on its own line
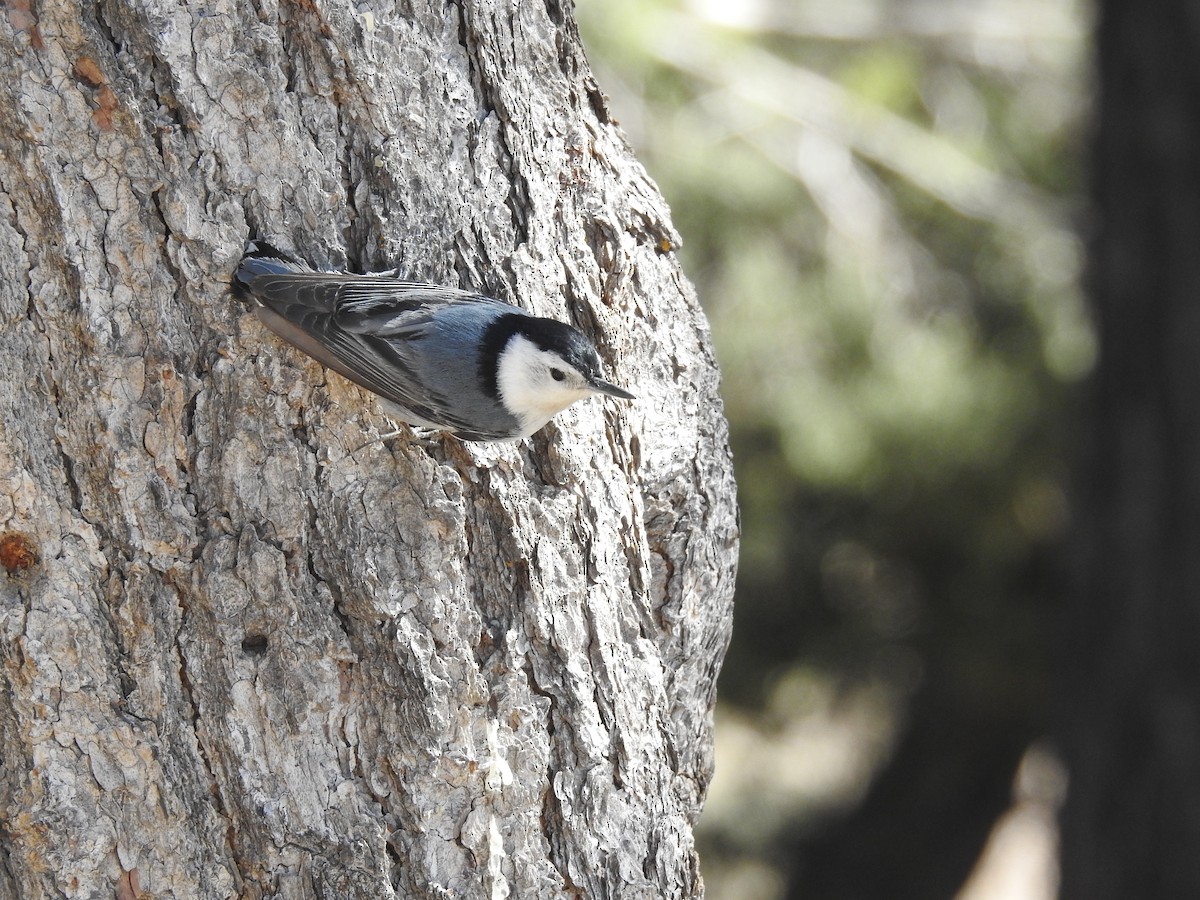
374, 330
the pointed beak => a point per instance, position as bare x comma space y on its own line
612, 390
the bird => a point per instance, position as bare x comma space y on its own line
441, 358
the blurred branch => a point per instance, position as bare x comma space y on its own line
1004, 36
750, 75
820, 133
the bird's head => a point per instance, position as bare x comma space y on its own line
544, 367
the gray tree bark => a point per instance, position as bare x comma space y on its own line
243, 654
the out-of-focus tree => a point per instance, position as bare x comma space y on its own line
877, 201
1131, 717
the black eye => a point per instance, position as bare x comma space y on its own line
558, 374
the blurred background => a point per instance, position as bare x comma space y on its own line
880, 203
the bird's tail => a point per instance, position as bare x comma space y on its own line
262, 259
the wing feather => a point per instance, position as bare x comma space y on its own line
367, 328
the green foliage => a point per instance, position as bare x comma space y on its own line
876, 200
878, 224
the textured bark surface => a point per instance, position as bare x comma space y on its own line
254, 657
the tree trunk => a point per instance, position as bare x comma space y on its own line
245, 655
1131, 736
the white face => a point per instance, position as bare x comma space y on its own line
535, 385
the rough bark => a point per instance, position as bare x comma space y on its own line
248, 656
1130, 729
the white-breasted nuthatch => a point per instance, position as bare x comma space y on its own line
442, 358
